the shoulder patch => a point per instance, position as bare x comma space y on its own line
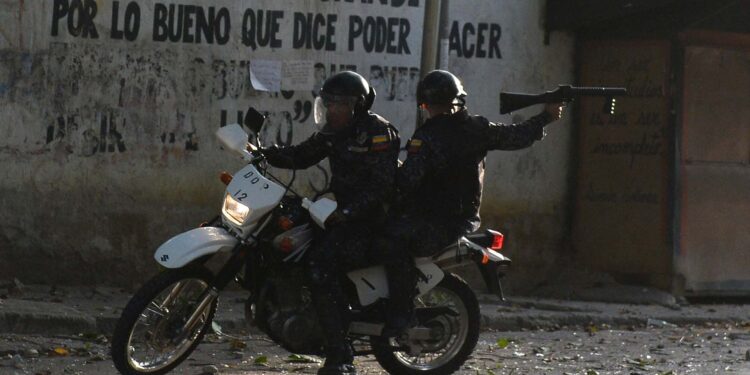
380, 143
414, 145
379, 139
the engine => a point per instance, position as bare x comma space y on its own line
285, 312
283, 307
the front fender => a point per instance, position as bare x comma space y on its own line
191, 245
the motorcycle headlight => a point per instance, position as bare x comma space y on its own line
234, 210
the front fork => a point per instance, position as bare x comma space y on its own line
220, 281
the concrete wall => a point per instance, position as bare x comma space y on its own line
107, 146
526, 192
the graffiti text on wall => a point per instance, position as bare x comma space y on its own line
260, 28
393, 3
88, 141
146, 108
78, 16
392, 83
475, 40
633, 140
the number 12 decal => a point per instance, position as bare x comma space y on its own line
240, 195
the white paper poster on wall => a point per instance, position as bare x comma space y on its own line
265, 75
297, 75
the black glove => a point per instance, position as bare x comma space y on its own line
269, 151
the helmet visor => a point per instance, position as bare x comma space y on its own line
326, 103
319, 112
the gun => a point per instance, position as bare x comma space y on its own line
510, 102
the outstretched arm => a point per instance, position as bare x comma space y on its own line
518, 136
304, 155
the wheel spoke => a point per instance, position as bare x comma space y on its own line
159, 307
157, 312
436, 353
155, 340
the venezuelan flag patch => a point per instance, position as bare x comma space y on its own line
380, 143
414, 146
379, 139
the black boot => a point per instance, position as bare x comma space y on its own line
342, 369
402, 288
339, 361
332, 311
399, 319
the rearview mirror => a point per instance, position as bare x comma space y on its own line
254, 120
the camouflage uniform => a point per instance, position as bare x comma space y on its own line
363, 159
440, 189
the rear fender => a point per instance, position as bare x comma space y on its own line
465, 247
488, 261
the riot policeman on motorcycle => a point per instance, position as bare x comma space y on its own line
362, 149
439, 185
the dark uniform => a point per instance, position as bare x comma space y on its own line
440, 189
363, 159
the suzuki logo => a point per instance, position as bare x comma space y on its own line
164, 258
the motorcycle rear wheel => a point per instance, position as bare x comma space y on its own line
444, 354
149, 338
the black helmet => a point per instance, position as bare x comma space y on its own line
349, 84
440, 87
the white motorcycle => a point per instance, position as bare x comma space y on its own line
265, 230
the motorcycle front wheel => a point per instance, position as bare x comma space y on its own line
457, 333
151, 336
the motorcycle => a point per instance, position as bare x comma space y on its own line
264, 231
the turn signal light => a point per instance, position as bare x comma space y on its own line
225, 177
485, 259
285, 223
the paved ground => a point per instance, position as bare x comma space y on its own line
55, 310
46, 330
683, 350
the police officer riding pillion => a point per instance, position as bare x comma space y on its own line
439, 185
362, 149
